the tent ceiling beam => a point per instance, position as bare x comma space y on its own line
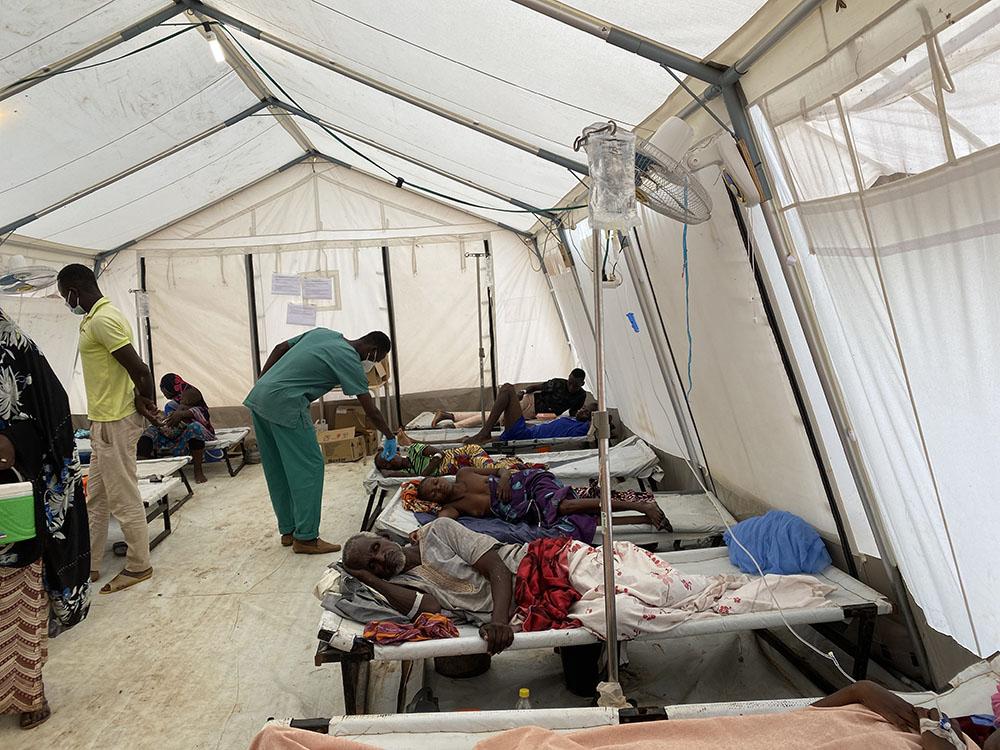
252, 80
125, 245
384, 88
139, 27
404, 186
405, 157
135, 168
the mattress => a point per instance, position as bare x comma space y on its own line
630, 459
693, 517
228, 437
847, 593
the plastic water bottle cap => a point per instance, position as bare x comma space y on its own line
524, 693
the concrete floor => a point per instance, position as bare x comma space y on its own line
223, 637
220, 639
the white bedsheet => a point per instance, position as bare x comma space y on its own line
227, 437
846, 592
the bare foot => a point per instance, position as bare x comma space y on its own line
402, 438
480, 438
200, 478
440, 415
656, 517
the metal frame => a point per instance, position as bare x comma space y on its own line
252, 110
149, 22
252, 310
391, 311
372, 83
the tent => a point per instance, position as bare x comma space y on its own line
831, 352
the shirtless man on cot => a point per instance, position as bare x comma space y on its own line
532, 495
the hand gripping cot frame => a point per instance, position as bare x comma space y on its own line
340, 639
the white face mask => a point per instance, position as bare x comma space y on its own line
369, 364
76, 309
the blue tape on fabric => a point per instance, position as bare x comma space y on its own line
632, 320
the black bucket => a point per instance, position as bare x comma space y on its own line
582, 668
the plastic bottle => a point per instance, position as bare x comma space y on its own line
523, 700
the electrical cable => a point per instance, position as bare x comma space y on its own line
167, 38
687, 294
700, 102
400, 182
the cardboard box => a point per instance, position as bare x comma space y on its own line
336, 435
350, 416
341, 451
371, 442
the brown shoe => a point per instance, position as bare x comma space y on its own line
125, 579
286, 540
313, 547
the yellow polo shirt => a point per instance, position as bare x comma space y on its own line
110, 391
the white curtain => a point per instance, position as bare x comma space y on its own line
898, 230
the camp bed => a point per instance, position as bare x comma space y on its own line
340, 638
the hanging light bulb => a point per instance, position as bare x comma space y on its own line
217, 52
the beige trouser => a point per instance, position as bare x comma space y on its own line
113, 488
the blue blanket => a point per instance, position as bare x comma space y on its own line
781, 542
503, 531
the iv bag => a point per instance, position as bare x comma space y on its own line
611, 158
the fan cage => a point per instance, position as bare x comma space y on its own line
668, 187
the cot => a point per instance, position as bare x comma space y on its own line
340, 638
632, 460
229, 440
694, 517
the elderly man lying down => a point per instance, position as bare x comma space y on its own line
532, 496
553, 583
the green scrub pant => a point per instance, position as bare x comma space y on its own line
293, 467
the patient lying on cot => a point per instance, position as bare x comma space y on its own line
532, 496
554, 583
424, 460
862, 716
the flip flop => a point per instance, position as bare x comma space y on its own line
125, 579
41, 716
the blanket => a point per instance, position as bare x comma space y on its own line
535, 496
543, 593
426, 627
653, 597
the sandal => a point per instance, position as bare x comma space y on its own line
32, 719
125, 579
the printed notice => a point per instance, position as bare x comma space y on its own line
301, 315
317, 288
286, 285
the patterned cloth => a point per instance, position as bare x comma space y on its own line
460, 457
24, 616
411, 501
535, 496
176, 440
35, 417
631, 496
428, 626
542, 591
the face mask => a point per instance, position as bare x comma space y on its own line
76, 309
369, 364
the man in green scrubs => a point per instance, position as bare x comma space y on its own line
297, 373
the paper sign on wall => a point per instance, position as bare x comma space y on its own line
286, 285
301, 315
317, 288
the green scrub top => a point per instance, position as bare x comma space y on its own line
318, 361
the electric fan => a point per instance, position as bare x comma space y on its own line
665, 168
21, 278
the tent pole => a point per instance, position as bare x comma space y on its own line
482, 352
491, 319
102, 45
603, 428
806, 313
641, 281
563, 237
252, 308
373, 83
552, 290
391, 312
627, 40
135, 168
146, 326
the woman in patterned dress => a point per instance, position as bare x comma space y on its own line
44, 581
187, 426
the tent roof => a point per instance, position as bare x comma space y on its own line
500, 65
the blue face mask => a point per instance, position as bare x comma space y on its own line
76, 309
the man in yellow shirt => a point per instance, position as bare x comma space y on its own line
120, 397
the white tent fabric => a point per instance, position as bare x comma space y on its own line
897, 234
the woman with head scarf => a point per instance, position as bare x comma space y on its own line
44, 579
187, 425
